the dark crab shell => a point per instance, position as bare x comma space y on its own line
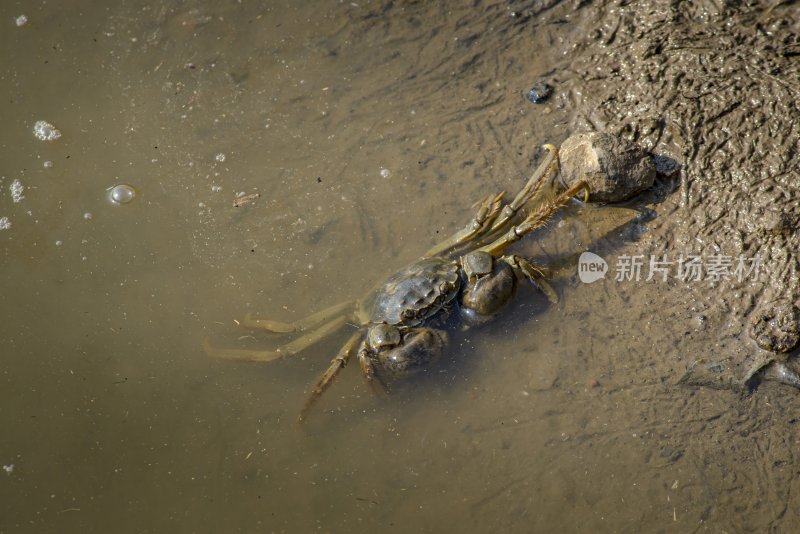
415, 293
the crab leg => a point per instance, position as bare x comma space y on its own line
487, 213
533, 274
300, 325
546, 170
289, 349
492, 218
337, 364
535, 220
374, 381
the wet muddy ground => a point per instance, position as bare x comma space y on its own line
369, 129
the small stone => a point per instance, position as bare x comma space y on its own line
776, 328
665, 165
614, 169
540, 92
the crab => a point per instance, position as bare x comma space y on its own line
400, 322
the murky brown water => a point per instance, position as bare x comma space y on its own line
369, 129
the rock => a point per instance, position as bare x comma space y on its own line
777, 327
614, 169
540, 92
665, 165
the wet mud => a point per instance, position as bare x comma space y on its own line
353, 137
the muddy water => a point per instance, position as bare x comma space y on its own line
369, 129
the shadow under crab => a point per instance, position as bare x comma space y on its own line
400, 319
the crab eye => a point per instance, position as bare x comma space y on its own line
383, 335
477, 263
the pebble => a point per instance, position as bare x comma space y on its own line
776, 327
540, 92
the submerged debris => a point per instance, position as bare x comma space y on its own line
244, 200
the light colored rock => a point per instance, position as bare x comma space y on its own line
614, 169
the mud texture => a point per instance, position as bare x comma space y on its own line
715, 86
614, 169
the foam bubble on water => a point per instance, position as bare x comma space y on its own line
385, 173
87, 216
17, 188
47, 164
121, 194
44, 131
220, 157
21, 20
5, 223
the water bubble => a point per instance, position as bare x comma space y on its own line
87, 216
5, 223
220, 157
121, 194
21, 20
385, 173
17, 190
47, 164
44, 131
